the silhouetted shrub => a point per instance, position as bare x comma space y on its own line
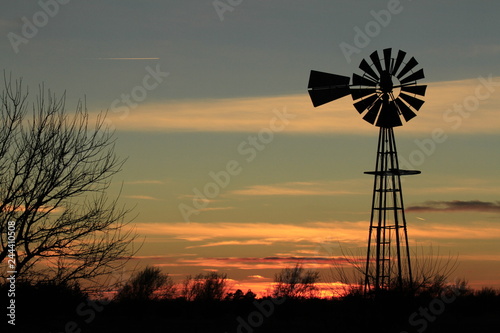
295, 283
238, 295
209, 287
487, 293
150, 283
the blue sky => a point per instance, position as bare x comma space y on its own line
203, 84
260, 48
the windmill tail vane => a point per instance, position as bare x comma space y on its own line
385, 95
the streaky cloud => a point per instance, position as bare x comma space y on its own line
141, 197
233, 242
295, 189
145, 182
456, 206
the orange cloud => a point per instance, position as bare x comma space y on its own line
269, 232
233, 242
476, 231
322, 236
295, 189
42, 209
250, 263
258, 277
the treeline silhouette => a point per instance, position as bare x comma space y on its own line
150, 302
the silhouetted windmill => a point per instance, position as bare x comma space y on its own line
385, 94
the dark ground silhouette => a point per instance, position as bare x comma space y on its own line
55, 309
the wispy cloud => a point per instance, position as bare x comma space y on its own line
41, 209
145, 182
445, 189
141, 197
452, 184
478, 231
481, 50
294, 189
162, 257
210, 209
253, 263
233, 242
456, 206
258, 277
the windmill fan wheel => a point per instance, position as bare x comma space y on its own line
386, 92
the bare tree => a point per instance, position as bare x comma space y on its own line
150, 283
212, 286
295, 282
432, 270
55, 169
348, 270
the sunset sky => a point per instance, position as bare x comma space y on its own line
231, 168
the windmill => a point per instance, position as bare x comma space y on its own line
385, 95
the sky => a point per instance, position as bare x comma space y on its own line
229, 166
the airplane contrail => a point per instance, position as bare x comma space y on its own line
126, 58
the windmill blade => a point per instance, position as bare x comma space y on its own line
376, 61
414, 77
412, 101
404, 109
387, 59
365, 67
417, 90
364, 104
362, 92
320, 79
323, 96
389, 116
362, 81
399, 61
373, 112
408, 67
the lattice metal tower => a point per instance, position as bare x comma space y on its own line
385, 95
